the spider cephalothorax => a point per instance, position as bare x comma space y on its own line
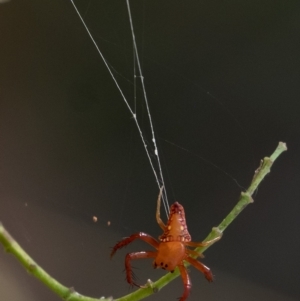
171, 250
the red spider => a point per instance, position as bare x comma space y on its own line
171, 248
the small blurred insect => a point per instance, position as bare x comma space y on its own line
171, 248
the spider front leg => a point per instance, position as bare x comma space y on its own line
203, 244
201, 267
140, 235
186, 282
136, 255
158, 219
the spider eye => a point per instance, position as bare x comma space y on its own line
161, 263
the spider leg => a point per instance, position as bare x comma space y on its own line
158, 219
201, 267
203, 244
135, 255
140, 235
186, 282
194, 253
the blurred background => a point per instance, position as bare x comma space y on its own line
222, 80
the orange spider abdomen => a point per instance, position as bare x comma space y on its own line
176, 228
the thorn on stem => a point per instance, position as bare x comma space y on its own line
32, 267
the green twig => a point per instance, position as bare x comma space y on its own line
246, 197
11, 246
69, 294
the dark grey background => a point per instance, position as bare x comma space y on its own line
223, 82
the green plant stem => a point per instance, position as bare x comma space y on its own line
11, 246
69, 294
246, 197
